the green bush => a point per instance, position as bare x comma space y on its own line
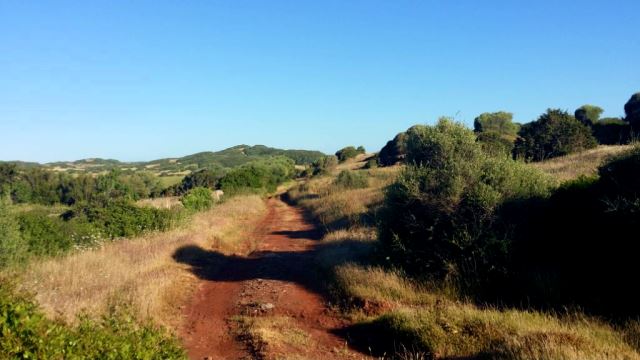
351, 180
588, 114
39, 186
349, 152
495, 144
394, 150
555, 133
500, 122
12, 249
612, 131
324, 165
579, 247
39, 232
440, 218
258, 177
28, 334
123, 219
632, 111
206, 178
197, 199
43, 234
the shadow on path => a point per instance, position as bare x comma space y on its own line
289, 266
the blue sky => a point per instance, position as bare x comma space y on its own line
139, 80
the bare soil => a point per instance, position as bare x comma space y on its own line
279, 278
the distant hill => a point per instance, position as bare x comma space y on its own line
227, 158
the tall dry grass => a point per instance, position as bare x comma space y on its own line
139, 273
167, 202
583, 163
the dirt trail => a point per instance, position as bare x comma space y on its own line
279, 273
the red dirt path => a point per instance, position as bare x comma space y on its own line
279, 272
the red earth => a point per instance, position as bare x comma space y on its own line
280, 272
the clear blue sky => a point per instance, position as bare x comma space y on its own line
138, 80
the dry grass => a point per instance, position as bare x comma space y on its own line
453, 330
394, 309
399, 310
583, 163
161, 203
139, 272
336, 207
275, 334
355, 163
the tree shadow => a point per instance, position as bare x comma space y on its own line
300, 267
313, 234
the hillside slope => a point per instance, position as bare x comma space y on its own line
227, 158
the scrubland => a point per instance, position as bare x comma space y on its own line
396, 316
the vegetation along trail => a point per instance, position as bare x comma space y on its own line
266, 304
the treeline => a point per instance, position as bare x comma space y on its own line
260, 176
555, 133
82, 211
495, 229
39, 186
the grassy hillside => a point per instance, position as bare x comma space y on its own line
582, 163
227, 158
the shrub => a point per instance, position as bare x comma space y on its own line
197, 199
28, 334
206, 178
394, 151
371, 163
349, 152
612, 131
495, 144
123, 219
555, 133
351, 180
439, 217
578, 247
259, 176
12, 248
500, 122
588, 114
43, 234
324, 165
632, 110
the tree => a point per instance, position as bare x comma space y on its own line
588, 114
496, 132
438, 216
347, 153
394, 151
324, 165
632, 110
197, 199
555, 133
612, 131
500, 122
8, 174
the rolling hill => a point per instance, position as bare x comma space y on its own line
227, 158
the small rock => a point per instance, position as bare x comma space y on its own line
267, 306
